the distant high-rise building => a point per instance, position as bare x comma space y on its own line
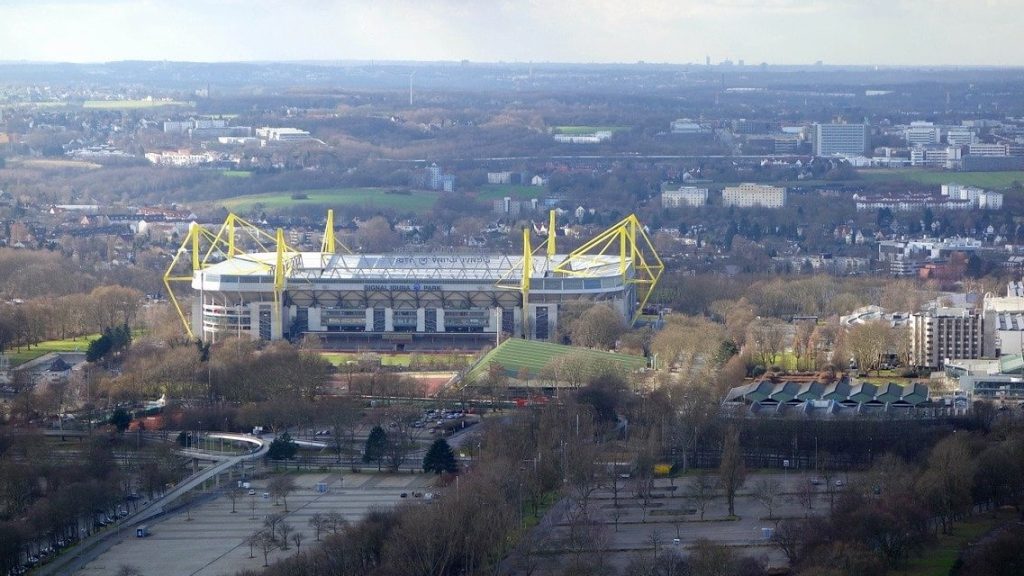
830, 139
947, 333
922, 134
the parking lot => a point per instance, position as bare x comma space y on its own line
213, 541
673, 522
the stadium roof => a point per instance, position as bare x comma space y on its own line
315, 265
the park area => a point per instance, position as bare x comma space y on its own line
988, 180
406, 201
19, 356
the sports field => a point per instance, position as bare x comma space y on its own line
519, 356
131, 104
52, 164
329, 198
991, 180
80, 344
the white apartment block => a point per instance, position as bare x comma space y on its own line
685, 196
979, 198
754, 195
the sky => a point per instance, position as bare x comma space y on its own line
872, 32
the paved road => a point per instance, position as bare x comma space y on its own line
93, 546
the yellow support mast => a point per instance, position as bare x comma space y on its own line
279, 278
551, 234
217, 246
635, 251
327, 247
524, 286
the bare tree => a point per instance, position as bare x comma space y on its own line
318, 522
655, 539
297, 539
769, 340
700, 491
805, 495
271, 522
767, 492
267, 544
252, 540
285, 529
280, 487
233, 495
336, 522
731, 472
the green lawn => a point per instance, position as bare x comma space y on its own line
516, 356
403, 360
938, 558
236, 174
580, 130
517, 192
992, 180
340, 358
69, 345
417, 200
131, 104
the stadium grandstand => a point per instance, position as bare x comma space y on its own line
245, 282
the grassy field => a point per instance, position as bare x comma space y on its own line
516, 192
938, 558
402, 360
52, 163
329, 198
236, 174
340, 358
992, 180
70, 345
580, 130
516, 356
131, 104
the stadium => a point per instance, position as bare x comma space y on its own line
245, 282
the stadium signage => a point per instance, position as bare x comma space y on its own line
438, 260
401, 287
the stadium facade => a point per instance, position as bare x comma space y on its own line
398, 301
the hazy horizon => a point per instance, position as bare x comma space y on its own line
894, 33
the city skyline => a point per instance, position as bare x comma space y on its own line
842, 32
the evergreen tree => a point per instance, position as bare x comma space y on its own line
440, 458
282, 448
98, 348
376, 444
121, 419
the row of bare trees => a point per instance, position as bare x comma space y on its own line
898, 508
32, 321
